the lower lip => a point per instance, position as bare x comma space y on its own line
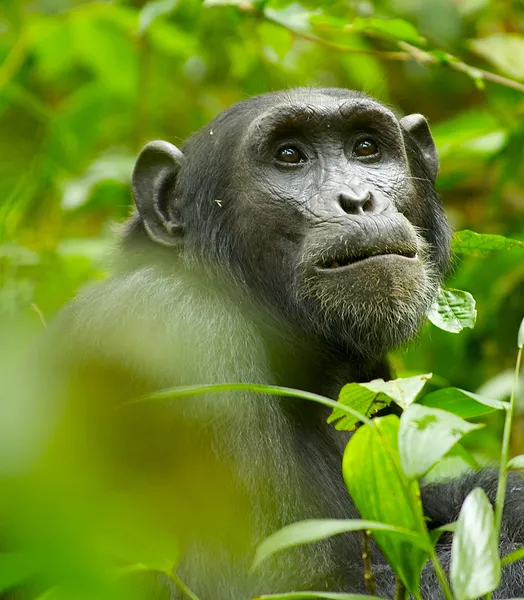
367, 260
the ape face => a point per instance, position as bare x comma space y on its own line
322, 201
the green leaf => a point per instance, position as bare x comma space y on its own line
517, 462
426, 435
504, 50
153, 10
393, 28
520, 336
462, 403
306, 532
15, 568
313, 595
475, 562
512, 557
453, 310
470, 243
403, 390
382, 492
294, 17
357, 397
373, 395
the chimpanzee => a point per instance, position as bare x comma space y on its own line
294, 241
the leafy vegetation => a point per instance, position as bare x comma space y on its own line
84, 84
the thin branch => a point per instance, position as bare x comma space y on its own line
387, 55
408, 52
426, 58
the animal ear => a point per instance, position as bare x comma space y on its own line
418, 128
154, 175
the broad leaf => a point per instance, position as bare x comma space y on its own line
153, 10
462, 403
426, 435
382, 492
403, 390
517, 462
357, 397
453, 310
470, 243
369, 397
393, 28
475, 562
306, 532
15, 568
504, 50
293, 16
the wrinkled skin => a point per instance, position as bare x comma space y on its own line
294, 240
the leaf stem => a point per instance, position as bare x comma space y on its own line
504, 458
504, 455
182, 586
439, 571
400, 590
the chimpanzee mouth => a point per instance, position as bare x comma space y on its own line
341, 261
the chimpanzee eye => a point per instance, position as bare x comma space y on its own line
290, 155
365, 147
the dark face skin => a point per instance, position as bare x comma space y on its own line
321, 200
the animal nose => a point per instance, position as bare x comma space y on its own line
357, 201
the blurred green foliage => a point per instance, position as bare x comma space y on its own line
84, 84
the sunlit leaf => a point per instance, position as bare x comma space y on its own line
306, 532
462, 403
504, 50
403, 390
369, 397
482, 244
357, 397
382, 492
520, 336
453, 310
398, 29
426, 435
293, 16
475, 562
153, 10
517, 462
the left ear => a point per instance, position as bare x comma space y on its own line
418, 128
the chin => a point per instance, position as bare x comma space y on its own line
371, 306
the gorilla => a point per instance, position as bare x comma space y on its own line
294, 240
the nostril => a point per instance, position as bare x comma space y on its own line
368, 205
356, 202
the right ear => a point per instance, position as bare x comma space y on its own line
155, 172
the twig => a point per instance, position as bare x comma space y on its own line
386, 54
39, 313
408, 52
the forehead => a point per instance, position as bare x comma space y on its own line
318, 110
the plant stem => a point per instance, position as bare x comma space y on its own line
369, 579
439, 571
400, 590
409, 52
182, 586
504, 455
503, 469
